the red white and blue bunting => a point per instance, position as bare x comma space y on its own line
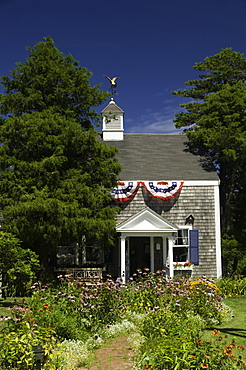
164, 190
125, 191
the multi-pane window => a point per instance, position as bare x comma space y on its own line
181, 247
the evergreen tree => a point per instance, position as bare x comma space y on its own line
216, 123
55, 172
51, 80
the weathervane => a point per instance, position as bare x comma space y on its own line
113, 84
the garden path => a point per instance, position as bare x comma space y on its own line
116, 354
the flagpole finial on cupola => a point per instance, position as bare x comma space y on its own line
113, 118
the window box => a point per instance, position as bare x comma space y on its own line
183, 266
183, 269
186, 273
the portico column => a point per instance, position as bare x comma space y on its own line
170, 255
123, 258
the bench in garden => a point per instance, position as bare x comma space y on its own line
87, 274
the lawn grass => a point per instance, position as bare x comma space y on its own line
233, 330
236, 327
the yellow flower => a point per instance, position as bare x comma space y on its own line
51, 355
58, 353
27, 325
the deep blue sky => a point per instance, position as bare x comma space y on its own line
151, 45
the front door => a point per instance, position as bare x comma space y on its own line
139, 253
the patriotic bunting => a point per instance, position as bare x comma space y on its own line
164, 190
125, 191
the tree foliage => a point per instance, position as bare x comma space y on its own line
215, 121
51, 80
55, 172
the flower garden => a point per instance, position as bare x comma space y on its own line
167, 318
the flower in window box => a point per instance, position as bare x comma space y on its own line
188, 264
178, 265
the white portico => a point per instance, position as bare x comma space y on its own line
157, 236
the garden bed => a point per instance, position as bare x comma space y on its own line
169, 316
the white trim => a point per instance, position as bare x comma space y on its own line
183, 227
113, 130
190, 227
170, 256
145, 222
187, 183
128, 233
202, 183
217, 231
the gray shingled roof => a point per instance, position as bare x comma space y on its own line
160, 157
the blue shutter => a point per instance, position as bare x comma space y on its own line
194, 247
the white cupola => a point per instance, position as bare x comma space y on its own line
113, 122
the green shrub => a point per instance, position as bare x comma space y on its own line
173, 341
18, 266
16, 345
231, 286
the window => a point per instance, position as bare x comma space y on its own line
181, 247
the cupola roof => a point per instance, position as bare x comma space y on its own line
112, 107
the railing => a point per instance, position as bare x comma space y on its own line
85, 273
